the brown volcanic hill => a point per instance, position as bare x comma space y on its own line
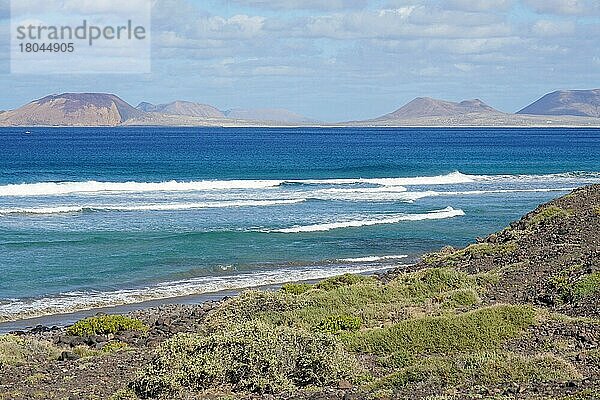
422, 107
581, 103
72, 109
185, 108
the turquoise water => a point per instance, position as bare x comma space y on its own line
101, 217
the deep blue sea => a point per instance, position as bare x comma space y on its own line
103, 217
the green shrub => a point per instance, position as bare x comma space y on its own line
432, 281
460, 298
114, 346
255, 357
569, 291
548, 214
84, 351
474, 251
481, 368
124, 394
560, 283
250, 304
15, 350
586, 286
296, 288
341, 280
485, 328
339, 323
106, 324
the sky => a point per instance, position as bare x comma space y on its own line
337, 60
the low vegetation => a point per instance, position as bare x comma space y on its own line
342, 280
571, 288
587, 285
255, 357
15, 350
115, 345
474, 251
335, 324
373, 302
485, 328
481, 367
419, 327
106, 324
296, 288
548, 214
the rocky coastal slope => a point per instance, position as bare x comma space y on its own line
512, 316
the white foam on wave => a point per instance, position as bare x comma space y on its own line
385, 184
373, 258
63, 188
448, 179
578, 176
448, 212
412, 196
499, 191
149, 207
380, 195
79, 301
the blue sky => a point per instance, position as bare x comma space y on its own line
337, 60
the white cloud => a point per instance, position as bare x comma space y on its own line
235, 27
304, 4
553, 28
480, 5
105, 6
565, 7
280, 70
406, 22
464, 67
81, 7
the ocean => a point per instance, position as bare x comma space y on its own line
100, 217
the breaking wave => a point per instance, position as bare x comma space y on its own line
448, 212
396, 185
148, 207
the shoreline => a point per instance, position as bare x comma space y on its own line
61, 320
64, 319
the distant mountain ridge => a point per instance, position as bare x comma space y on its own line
423, 107
561, 108
581, 103
180, 107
